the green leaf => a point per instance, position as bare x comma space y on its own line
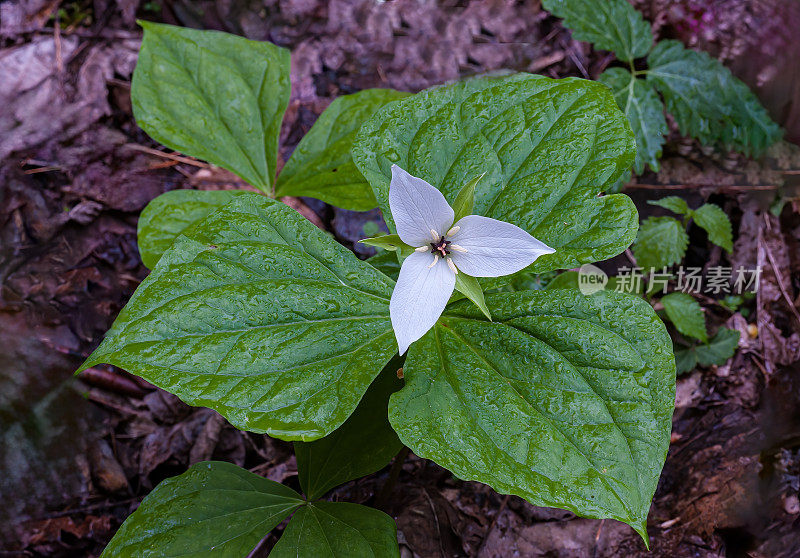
170, 214
365, 443
338, 530
464, 203
548, 147
391, 242
258, 314
713, 220
687, 315
610, 24
387, 263
708, 102
565, 280
685, 360
662, 242
565, 400
470, 288
214, 96
673, 203
321, 166
721, 347
213, 509
645, 112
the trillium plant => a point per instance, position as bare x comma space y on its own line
560, 398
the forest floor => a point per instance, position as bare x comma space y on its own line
77, 456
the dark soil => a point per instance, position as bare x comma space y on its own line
77, 456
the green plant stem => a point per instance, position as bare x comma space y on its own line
382, 499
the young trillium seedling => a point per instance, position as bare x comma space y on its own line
476, 246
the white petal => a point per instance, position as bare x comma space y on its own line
494, 248
419, 297
417, 208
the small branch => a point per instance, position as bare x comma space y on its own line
776, 270
170, 156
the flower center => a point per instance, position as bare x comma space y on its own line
440, 248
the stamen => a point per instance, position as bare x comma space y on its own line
453, 231
435, 259
452, 266
421, 249
434, 235
457, 248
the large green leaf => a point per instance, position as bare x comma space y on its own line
257, 313
170, 214
213, 509
365, 443
610, 24
645, 112
686, 314
564, 400
708, 102
662, 242
214, 96
338, 530
548, 147
321, 166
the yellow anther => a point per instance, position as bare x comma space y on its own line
422, 249
435, 259
453, 231
457, 248
434, 234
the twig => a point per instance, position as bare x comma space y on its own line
541, 63
779, 277
171, 156
721, 188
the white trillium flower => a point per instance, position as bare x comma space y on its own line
477, 246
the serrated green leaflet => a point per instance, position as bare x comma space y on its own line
565, 400
213, 509
170, 214
686, 314
673, 203
610, 24
548, 147
365, 443
321, 166
645, 112
708, 102
717, 351
258, 314
662, 242
713, 220
214, 96
338, 530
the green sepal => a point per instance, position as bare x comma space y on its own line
470, 288
465, 200
390, 242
